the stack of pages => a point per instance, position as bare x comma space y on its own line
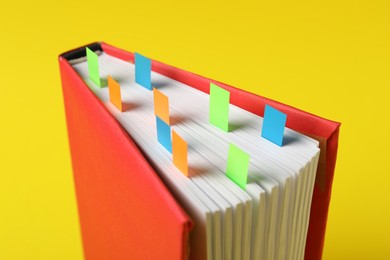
266, 220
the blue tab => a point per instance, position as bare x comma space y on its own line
143, 71
164, 134
273, 125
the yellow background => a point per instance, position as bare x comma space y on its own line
327, 57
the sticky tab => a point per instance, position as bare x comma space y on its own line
219, 107
93, 67
143, 71
164, 134
180, 153
161, 105
114, 90
273, 125
237, 166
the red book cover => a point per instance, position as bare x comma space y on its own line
125, 210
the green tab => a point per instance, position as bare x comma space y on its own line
237, 166
219, 107
93, 67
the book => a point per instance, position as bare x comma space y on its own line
234, 220
134, 203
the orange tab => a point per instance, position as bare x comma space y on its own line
180, 153
161, 105
114, 90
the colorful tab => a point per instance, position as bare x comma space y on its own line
237, 166
180, 153
161, 105
219, 107
273, 125
143, 71
114, 90
93, 67
164, 134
